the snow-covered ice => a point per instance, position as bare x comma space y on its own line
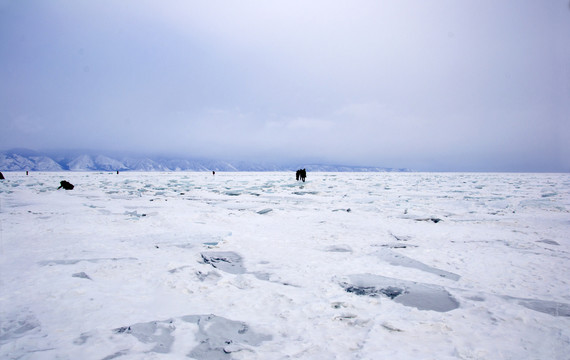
260, 266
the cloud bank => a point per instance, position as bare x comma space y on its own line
442, 85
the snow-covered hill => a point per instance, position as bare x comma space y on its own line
23, 160
33, 162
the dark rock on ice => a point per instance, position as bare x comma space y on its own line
2, 176
227, 261
408, 293
66, 185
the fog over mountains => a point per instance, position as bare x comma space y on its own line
30, 160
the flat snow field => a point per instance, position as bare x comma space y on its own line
260, 266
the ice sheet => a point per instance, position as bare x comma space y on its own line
345, 265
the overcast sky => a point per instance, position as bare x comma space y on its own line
481, 85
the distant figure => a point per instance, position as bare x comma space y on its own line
301, 174
26, 173
66, 185
117, 172
213, 173
1, 176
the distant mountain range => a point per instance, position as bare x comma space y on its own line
30, 160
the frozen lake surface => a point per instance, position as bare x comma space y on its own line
260, 266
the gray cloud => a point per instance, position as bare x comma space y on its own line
440, 85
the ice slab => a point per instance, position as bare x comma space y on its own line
233, 193
305, 192
75, 261
116, 355
401, 237
81, 275
395, 245
433, 219
16, 327
262, 275
544, 306
158, 333
135, 214
549, 242
209, 275
231, 262
408, 293
548, 307
396, 259
217, 336
339, 248
227, 261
